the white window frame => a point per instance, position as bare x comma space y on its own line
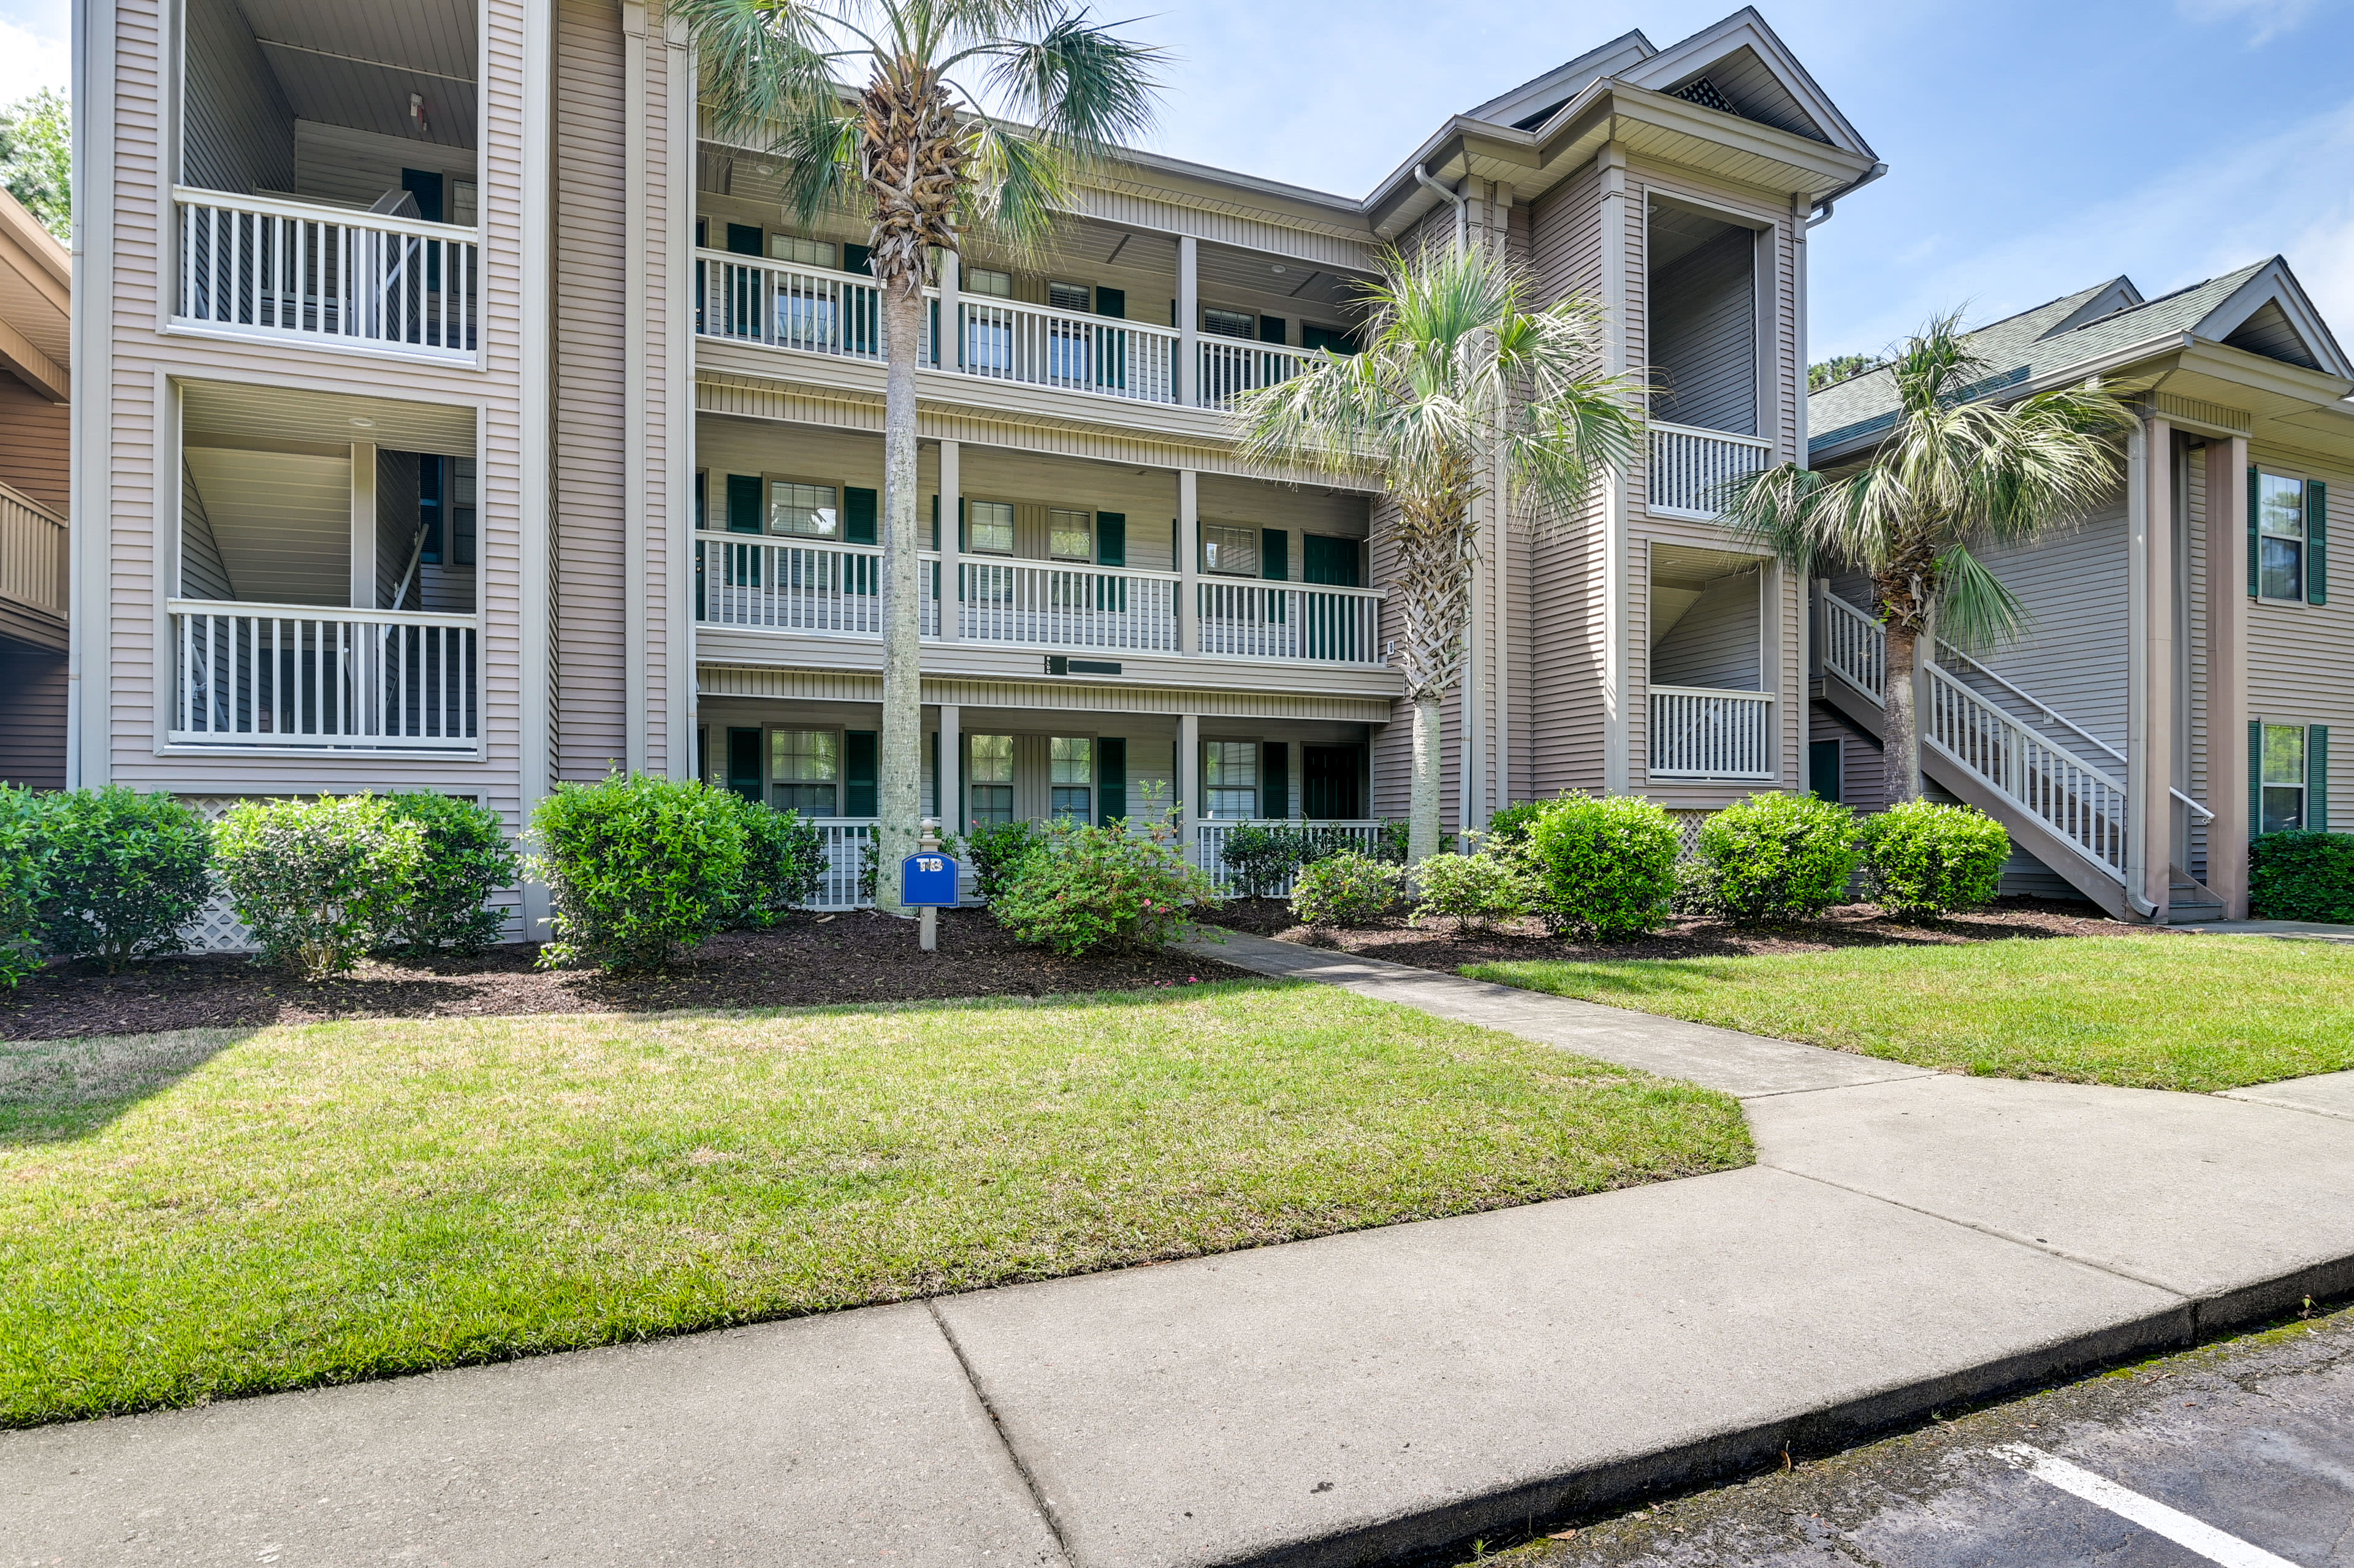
1083, 529
972, 543
771, 758
1220, 798
800, 252
1247, 539
985, 280
2266, 784
768, 486
2302, 538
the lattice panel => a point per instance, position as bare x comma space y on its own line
215, 929
1688, 830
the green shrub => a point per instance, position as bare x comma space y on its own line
317, 881
997, 850
1396, 833
446, 906
1605, 865
20, 886
870, 861
638, 868
2302, 876
1084, 889
1508, 830
1770, 858
1347, 889
122, 873
784, 861
1927, 860
1263, 858
1471, 889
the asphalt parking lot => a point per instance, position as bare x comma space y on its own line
2239, 1452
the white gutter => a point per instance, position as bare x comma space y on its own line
1462, 208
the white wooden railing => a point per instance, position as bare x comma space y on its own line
779, 585
327, 274
844, 841
1210, 838
1702, 734
346, 679
746, 299
33, 541
1855, 647
1007, 341
1229, 366
2081, 804
1691, 469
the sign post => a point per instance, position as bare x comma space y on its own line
928, 882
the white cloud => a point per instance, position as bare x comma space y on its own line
2269, 18
31, 61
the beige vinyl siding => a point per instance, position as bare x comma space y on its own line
238, 131
1705, 368
338, 164
282, 521
1719, 642
33, 445
2074, 585
202, 573
1864, 773
2301, 656
32, 718
396, 524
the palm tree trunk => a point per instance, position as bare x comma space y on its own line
1430, 758
899, 767
1902, 731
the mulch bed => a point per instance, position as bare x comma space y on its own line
856, 957
1436, 945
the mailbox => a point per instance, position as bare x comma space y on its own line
927, 880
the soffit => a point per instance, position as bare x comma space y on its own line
35, 291
282, 521
326, 416
356, 65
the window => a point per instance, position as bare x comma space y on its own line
806, 511
1070, 536
2280, 536
981, 280
1228, 551
1230, 779
988, 527
803, 765
990, 778
1334, 340
805, 252
1072, 775
1070, 297
2284, 779
1229, 323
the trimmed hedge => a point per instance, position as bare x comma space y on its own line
447, 905
1771, 858
1347, 889
2302, 876
1086, 889
1927, 859
784, 861
638, 868
1472, 889
316, 881
20, 887
1605, 865
120, 873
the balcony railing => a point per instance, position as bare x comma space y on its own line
778, 304
284, 269
32, 555
1693, 470
1701, 734
785, 585
1210, 838
282, 676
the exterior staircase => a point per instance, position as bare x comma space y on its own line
2057, 789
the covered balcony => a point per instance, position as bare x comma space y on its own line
1110, 312
327, 187
1711, 715
325, 585
1709, 363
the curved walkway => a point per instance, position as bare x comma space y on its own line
1907, 1240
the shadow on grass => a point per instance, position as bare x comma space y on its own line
57, 1091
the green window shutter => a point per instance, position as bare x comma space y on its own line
2251, 532
744, 239
1111, 777
962, 543
2255, 778
2317, 541
744, 503
1112, 302
1271, 329
1275, 554
1275, 779
858, 773
2316, 778
936, 523
744, 763
858, 258
857, 517
1111, 538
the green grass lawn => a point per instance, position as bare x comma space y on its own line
2161, 1012
193, 1215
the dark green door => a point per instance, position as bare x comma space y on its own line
858, 773
1332, 783
1823, 771
744, 763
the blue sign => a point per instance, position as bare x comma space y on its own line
927, 879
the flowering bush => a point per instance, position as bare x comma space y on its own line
317, 881
446, 906
1772, 857
1347, 889
1605, 865
120, 873
1083, 889
1928, 860
1471, 889
639, 867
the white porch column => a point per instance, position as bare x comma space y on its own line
948, 801
2149, 678
2227, 673
363, 565
1184, 381
950, 353
952, 569
1189, 555
1188, 777
1617, 689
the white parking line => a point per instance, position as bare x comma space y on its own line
2154, 1517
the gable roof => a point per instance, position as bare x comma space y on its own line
2261, 309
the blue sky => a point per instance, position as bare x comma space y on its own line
2033, 148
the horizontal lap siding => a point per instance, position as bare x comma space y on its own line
2301, 656
33, 719
2074, 585
240, 128
34, 445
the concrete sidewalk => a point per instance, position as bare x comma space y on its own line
1908, 1240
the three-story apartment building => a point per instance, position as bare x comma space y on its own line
468, 415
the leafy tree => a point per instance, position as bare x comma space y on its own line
920, 152
1953, 474
1464, 382
1841, 368
37, 158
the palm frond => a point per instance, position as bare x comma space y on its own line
1975, 609
1019, 183
763, 61
1080, 86
818, 144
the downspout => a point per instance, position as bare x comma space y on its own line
2137, 666
1462, 208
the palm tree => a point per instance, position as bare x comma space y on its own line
929, 162
1460, 377
1952, 475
